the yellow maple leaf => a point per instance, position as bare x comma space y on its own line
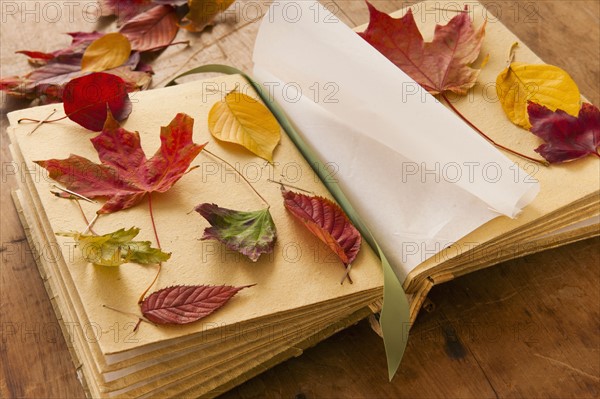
242, 120
108, 52
546, 85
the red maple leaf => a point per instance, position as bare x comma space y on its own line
567, 137
125, 176
440, 65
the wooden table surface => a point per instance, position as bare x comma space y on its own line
526, 328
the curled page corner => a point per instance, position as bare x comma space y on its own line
419, 177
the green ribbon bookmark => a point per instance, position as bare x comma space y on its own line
395, 316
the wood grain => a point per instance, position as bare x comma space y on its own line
526, 328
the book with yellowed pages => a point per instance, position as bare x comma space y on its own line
432, 199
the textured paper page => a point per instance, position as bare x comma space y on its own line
417, 174
299, 265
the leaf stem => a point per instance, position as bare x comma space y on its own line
488, 138
152, 219
129, 314
41, 121
157, 244
168, 45
284, 185
87, 222
239, 173
74, 194
91, 224
347, 275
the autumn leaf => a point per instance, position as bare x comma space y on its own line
124, 9
440, 65
242, 120
47, 82
546, 85
37, 57
86, 100
327, 221
153, 29
249, 233
186, 304
202, 13
567, 137
107, 52
116, 248
125, 176
135, 80
79, 42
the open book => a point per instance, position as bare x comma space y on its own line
429, 236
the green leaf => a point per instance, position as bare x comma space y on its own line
116, 248
249, 233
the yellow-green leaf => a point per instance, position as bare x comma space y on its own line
116, 248
109, 51
241, 119
202, 13
546, 85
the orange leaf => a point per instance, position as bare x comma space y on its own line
110, 51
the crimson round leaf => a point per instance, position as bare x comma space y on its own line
327, 221
183, 304
86, 98
567, 137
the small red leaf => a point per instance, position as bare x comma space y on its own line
567, 138
37, 57
186, 304
327, 221
86, 98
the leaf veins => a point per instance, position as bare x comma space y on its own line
124, 175
186, 304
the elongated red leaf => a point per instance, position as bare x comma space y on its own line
45, 83
186, 304
37, 57
79, 42
86, 99
153, 29
327, 221
440, 65
567, 137
125, 176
